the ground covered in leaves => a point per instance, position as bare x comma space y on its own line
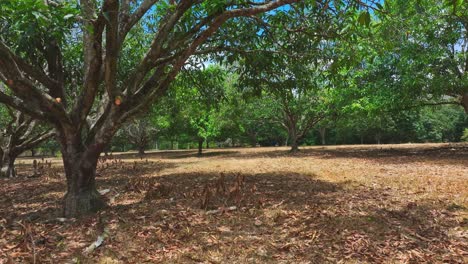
350, 204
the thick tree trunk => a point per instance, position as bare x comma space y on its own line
464, 102
80, 163
8, 165
294, 145
82, 196
200, 146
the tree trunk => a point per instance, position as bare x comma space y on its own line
9, 155
322, 131
172, 144
80, 163
141, 151
207, 144
294, 140
253, 139
82, 196
200, 146
33, 152
464, 102
8, 165
378, 136
294, 145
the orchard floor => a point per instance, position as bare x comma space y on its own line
347, 204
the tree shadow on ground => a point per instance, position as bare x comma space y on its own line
175, 154
205, 154
31, 198
280, 216
352, 222
449, 155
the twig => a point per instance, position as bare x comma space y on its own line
231, 208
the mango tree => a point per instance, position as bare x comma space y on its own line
295, 67
41, 40
18, 133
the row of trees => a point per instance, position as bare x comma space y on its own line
226, 116
87, 68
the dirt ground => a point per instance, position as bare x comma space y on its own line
348, 204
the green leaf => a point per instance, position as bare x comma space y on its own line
364, 18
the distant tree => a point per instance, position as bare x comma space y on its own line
140, 133
18, 133
298, 75
50, 147
200, 93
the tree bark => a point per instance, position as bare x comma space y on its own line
464, 102
9, 155
294, 146
8, 165
82, 196
80, 164
200, 146
322, 131
207, 144
294, 140
141, 151
253, 139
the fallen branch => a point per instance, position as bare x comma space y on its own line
96, 243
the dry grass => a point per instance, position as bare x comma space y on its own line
348, 204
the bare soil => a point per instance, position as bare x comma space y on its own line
347, 204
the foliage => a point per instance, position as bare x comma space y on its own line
465, 135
